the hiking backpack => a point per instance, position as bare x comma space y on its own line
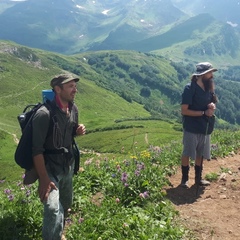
23, 154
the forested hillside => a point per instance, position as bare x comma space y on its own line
150, 80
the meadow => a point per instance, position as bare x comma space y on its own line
118, 195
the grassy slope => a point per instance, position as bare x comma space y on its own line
21, 84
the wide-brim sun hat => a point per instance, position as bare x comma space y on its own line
203, 68
62, 79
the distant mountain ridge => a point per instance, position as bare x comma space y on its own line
177, 29
73, 26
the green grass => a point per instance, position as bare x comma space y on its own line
9, 170
140, 133
104, 208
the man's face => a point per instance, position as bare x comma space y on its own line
207, 76
207, 80
68, 91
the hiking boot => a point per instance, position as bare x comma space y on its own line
184, 184
184, 181
198, 177
203, 182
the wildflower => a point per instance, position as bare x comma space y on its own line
10, 197
118, 167
137, 173
2, 181
81, 169
214, 147
68, 220
7, 191
98, 163
140, 166
113, 175
80, 220
117, 200
125, 225
126, 185
88, 162
28, 192
141, 195
124, 177
145, 194
19, 183
23, 176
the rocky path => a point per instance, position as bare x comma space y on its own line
215, 213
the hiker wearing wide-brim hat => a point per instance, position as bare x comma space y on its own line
203, 68
197, 108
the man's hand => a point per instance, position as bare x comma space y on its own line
45, 187
212, 106
81, 130
210, 111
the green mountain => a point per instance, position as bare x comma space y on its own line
141, 85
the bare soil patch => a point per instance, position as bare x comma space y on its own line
213, 214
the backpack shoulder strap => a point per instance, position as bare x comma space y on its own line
193, 86
52, 116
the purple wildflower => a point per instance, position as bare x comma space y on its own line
10, 197
2, 181
140, 166
28, 192
146, 194
80, 220
68, 220
124, 177
137, 173
7, 191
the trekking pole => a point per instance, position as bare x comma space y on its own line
201, 164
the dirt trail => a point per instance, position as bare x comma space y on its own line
215, 213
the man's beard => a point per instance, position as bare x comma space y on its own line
207, 83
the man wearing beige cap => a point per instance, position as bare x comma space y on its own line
55, 165
197, 108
